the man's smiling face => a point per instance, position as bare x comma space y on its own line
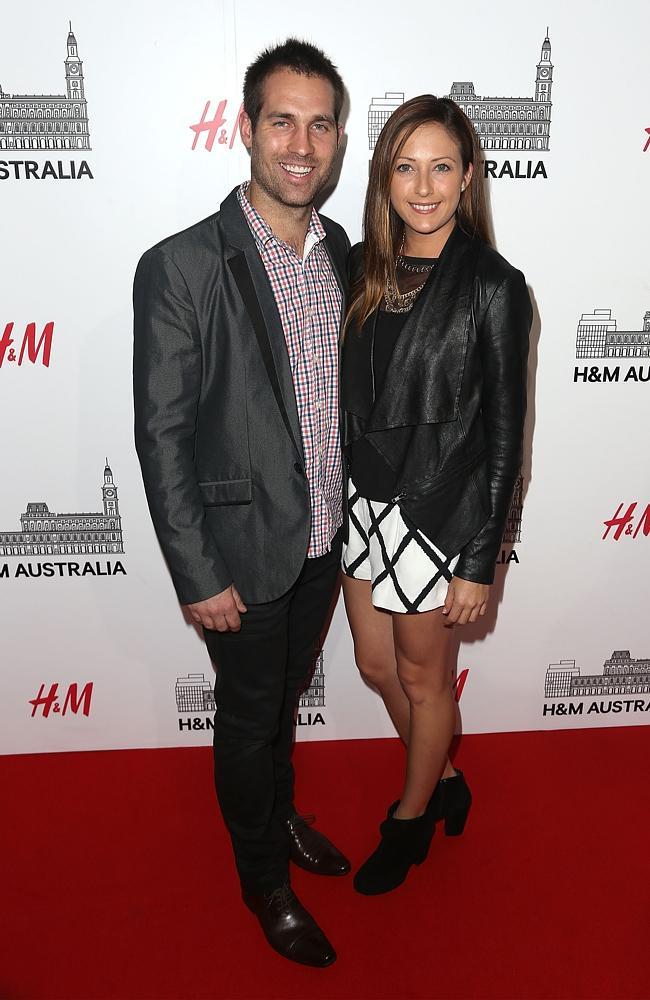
294, 143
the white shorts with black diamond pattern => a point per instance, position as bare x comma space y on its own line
408, 573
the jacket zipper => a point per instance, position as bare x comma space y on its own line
434, 481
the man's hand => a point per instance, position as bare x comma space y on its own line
466, 601
221, 612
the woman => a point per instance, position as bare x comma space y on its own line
433, 386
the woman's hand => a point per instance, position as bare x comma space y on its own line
466, 601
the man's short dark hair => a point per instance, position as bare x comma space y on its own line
297, 56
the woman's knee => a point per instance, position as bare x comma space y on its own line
375, 669
423, 682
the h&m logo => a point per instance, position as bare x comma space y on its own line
31, 349
623, 522
74, 701
214, 127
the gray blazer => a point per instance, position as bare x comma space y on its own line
216, 421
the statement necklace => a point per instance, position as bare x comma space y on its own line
402, 302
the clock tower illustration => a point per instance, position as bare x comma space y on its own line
511, 122
109, 493
544, 77
48, 121
74, 77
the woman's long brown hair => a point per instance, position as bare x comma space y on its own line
382, 226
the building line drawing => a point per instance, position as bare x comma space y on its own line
598, 337
380, 110
511, 122
45, 533
621, 675
512, 532
520, 123
314, 695
48, 121
194, 694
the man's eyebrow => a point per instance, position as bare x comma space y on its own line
291, 116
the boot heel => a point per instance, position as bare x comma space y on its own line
455, 822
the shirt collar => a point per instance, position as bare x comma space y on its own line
264, 234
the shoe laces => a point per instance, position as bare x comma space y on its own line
283, 895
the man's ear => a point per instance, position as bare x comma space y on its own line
246, 130
339, 134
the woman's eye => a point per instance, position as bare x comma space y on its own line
403, 168
442, 168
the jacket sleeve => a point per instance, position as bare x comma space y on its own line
167, 380
503, 345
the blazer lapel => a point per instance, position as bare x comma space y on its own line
257, 296
339, 268
338, 272
424, 379
252, 282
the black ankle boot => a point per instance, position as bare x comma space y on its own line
450, 801
404, 842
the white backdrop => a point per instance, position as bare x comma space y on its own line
95, 651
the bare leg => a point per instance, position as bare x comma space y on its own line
422, 647
374, 651
372, 631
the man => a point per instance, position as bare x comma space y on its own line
235, 375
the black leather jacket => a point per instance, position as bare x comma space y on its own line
450, 414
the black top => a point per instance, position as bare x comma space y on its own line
373, 477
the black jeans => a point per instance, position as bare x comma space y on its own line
261, 672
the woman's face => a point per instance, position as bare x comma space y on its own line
426, 186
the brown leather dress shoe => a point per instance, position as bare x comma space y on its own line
312, 851
289, 928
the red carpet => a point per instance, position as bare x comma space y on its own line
118, 881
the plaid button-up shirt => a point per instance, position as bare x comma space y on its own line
309, 302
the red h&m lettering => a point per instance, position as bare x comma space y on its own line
47, 702
622, 522
73, 702
29, 345
644, 523
5, 344
211, 127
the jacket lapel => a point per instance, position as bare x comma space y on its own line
260, 305
257, 296
339, 268
433, 343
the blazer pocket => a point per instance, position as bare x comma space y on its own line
227, 491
